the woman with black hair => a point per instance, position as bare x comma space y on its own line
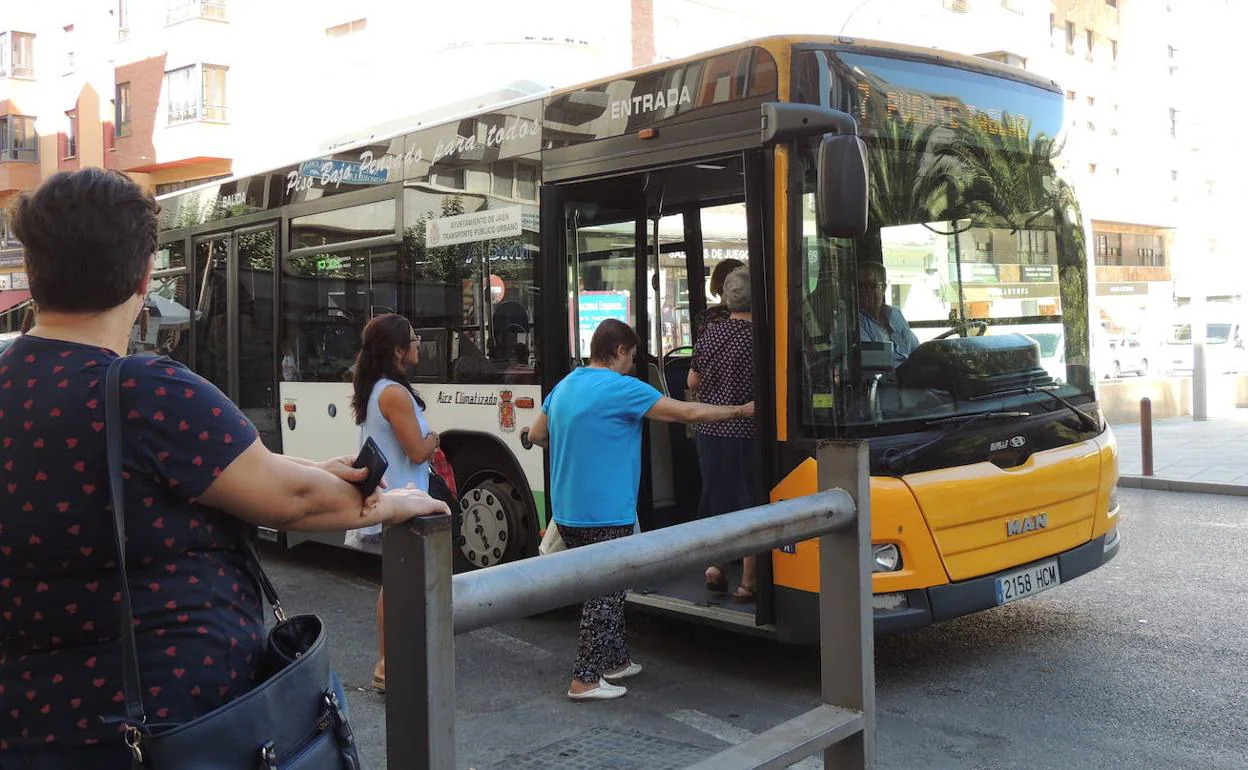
392, 414
198, 481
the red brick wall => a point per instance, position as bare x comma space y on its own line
643, 32
146, 78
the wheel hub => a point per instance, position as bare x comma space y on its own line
484, 529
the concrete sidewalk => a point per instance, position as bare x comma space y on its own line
1189, 456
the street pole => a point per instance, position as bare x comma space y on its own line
1200, 379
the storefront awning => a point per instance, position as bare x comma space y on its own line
12, 297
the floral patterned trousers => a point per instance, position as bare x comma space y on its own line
602, 644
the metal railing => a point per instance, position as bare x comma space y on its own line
426, 608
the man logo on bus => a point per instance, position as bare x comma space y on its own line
1026, 524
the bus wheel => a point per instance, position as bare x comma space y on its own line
492, 523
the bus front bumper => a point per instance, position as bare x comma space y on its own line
924, 606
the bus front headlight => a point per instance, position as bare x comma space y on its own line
885, 558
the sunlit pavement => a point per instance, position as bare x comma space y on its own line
1141, 664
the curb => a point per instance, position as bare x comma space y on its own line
1174, 485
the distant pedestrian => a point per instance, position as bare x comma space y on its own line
389, 411
723, 373
592, 423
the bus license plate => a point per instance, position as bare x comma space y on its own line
1027, 582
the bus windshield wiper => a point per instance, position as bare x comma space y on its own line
959, 423
1085, 419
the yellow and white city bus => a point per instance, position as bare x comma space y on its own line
508, 234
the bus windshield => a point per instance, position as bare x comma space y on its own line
969, 291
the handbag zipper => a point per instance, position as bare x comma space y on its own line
269, 760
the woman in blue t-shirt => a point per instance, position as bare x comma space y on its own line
591, 423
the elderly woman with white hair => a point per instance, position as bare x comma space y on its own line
723, 373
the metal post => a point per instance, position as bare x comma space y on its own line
420, 666
1146, 435
846, 610
1200, 363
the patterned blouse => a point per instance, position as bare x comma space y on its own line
724, 360
197, 610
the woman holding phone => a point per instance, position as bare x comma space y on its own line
391, 413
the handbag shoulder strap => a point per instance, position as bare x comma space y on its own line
129, 648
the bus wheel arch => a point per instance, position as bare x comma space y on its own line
497, 518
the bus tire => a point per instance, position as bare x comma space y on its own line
494, 524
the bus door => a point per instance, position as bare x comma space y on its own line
640, 248
234, 344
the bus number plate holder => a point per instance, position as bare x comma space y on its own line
1017, 585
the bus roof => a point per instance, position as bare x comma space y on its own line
774, 44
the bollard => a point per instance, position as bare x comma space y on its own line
1146, 435
420, 645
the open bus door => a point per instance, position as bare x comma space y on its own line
639, 247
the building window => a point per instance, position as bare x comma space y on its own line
17, 138
1113, 48
958, 6
1091, 101
1091, 168
17, 54
214, 93
121, 110
1070, 37
1091, 126
71, 135
1112, 3
1091, 43
1070, 96
123, 19
181, 10
1174, 175
350, 28
1174, 123
196, 92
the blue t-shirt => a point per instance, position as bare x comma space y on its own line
595, 446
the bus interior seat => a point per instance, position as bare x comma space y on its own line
662, 481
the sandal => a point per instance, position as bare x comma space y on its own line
743, 595
717, 585
379, 684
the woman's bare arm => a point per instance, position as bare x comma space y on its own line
397, 407
670, 410
271, 490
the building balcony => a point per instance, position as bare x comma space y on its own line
1131, 273
18, 175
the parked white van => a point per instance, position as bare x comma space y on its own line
1224, 348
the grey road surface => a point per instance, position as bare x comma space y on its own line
1142, 664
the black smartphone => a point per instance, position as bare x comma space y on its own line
371, 457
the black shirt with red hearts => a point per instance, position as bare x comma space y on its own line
197, 610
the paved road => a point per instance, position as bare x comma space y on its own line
1142, 664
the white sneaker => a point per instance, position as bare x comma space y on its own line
632, 669
603, 691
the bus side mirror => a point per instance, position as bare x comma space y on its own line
842, 184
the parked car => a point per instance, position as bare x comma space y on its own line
1123, 354
1224, 348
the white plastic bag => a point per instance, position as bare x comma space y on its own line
552, 541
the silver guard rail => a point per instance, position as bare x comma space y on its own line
426, 608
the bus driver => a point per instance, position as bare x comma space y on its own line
880, 322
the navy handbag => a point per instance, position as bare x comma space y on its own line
295, 719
